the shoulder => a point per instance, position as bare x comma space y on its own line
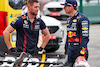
40, 20
17, 20
83, 17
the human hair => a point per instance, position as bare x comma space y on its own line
75, 8
30, 2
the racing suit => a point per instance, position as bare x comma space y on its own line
27, 33
77, 37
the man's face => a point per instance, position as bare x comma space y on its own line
34, 8
67, 9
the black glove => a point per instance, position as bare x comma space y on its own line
12, 50
17, 49
40, 50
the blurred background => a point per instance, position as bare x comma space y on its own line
91, 8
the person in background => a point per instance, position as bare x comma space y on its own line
27, 29
77, 33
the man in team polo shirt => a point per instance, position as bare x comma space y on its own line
27, 28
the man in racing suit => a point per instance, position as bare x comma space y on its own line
27, 27
77, 33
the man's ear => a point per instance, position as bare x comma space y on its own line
28, 6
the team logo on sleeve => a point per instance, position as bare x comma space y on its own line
84, 23
14, 21
83, 51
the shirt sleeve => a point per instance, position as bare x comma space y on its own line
42, 24
16, 23
84, 38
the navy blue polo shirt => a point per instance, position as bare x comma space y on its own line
27, 32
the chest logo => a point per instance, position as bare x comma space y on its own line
24, 16
84, 28
25, 25
71, 34
75, 20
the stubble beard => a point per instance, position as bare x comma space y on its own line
33, 13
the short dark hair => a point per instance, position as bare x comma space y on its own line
75, 8
30, 2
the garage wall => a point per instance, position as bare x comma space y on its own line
92, 12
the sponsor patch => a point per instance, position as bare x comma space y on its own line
85, 35
37, 27
25, 21
84, 23
37, 23
24, 16
71, 34
14, 21
84, 28
76, 43
73, 27
75, 20
83, 51
85, 31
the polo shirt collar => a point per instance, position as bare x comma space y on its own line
35, 20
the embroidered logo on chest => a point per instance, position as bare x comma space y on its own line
25, 24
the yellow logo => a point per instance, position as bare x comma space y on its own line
75, 20
84, 28
14, 20
71, 34
24, 16
37, 22
83, 51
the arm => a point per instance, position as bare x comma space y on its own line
84, 38
6, 34
47, 37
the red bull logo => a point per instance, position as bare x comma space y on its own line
24, 16
71, 34
83, 51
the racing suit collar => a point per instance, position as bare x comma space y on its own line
76, 14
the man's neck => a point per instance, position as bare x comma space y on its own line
73, 13
31, 17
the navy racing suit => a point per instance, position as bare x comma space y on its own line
77, 37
